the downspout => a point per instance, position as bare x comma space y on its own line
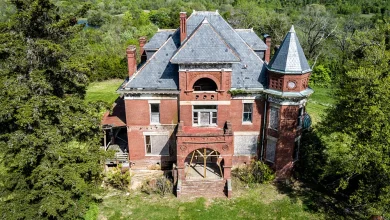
264, 126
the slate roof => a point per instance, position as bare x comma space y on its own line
205, 45
289, 59
158, 39
158, 73
249, 73
251, 38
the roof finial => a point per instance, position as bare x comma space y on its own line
292, 30
216, 11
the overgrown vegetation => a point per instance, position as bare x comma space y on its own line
161, 186
254, 173
49, 137
117, 178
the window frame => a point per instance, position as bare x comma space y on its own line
278, 118
301, 113
146, 137
213, 116
149, 135
250, 113
152, 113
297, 145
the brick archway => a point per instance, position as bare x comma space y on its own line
194, 79
203, 163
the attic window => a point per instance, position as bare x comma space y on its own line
205, 84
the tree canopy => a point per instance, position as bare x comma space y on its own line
49, 138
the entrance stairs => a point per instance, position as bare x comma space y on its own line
208, 188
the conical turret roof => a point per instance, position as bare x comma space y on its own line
289, 58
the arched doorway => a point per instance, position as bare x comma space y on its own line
204, 163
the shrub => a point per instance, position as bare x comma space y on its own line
161, 186
117, 179
321, 76
255, 172
92, 213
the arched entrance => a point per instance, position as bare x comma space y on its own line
204, 163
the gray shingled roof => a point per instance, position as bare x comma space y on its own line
250, 72
205, 46
158, 39
251, 38
158, 72
289, 59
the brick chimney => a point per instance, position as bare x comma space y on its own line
142, 42
131, 59
267, 54
183, 26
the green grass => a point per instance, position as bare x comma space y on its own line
262, 202
103, 91
319, 102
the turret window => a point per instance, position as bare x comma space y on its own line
274, 118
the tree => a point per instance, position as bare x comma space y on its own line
355, 135
49, 137
316, 25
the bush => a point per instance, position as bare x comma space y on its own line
161, 186
92, 213
320, 76
117, 179
255, 172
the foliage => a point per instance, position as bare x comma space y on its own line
320, 76
255, 172
161, 186
49, 138
234, 92
350, 154
97, 18
117, 179
259, 202
92, 213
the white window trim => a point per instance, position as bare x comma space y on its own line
150, 113
211, 117
242, 115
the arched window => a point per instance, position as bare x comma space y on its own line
205, 84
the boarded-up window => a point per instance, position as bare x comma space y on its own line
245, 144
270, 151
157, 144
274, 118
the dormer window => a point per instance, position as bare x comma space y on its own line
205, 84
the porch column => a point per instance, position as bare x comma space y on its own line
227, 168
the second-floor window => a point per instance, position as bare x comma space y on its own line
247, 113
204, 115
154, 113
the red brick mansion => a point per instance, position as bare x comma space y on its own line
207, 97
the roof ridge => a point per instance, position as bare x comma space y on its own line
205, 22
148, 61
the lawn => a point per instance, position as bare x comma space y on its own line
103, 91
260, 202
319, 102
